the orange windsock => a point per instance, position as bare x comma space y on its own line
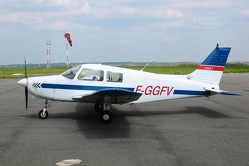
67, 36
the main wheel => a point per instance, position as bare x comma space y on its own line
43, 115
106, 116
98, 107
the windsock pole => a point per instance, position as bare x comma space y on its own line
68, 40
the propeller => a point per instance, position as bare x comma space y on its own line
26, 87
24, 82
26, 97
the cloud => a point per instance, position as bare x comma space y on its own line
128, 10
62, 25
245, 12
24, 18
65, 3
86, 8
125, 22
168, 14
174, 13
62, 2
124, 42
57, 25
167, 24
201, 4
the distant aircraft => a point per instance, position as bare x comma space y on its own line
107, 85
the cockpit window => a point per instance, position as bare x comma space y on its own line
70, 74
91, 75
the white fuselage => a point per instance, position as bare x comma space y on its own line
154, 87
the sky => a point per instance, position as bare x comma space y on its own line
122, 30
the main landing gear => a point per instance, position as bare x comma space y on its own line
43, 114
105, 114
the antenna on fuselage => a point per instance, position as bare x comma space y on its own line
146, 65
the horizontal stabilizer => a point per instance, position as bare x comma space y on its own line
110, 95
222, 92
230, 93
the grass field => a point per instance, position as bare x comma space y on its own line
19, 72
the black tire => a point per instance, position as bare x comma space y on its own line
106, 116
43, 116
98, 107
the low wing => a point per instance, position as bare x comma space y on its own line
113, 95
222, 92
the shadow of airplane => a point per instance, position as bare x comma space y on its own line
209, 113
120, 127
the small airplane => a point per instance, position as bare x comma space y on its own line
106, 85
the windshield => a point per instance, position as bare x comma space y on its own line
71, 72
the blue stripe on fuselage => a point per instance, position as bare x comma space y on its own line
97, 88
190, 92
80, 87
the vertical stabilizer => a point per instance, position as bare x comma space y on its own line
211, 69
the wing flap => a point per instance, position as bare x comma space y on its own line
114, 96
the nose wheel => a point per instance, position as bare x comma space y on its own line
43, 114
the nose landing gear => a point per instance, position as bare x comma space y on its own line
43, 114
